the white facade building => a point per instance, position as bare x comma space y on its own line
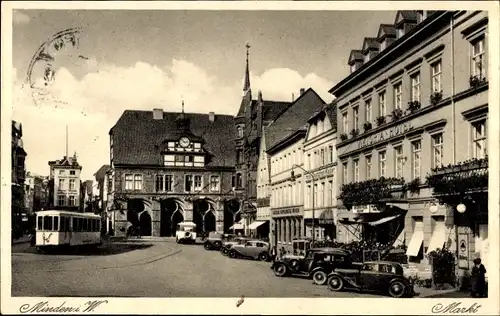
65, 174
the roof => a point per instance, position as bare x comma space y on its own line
331, 112
66, 162
99, 175
370, 43
355, 55
137, 136
386, 30
405, 15
294, 118
272, 109
68, 213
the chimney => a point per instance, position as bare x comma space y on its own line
211, 116
302, 90
259, 96
157, 114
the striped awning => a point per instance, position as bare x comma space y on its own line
327, 217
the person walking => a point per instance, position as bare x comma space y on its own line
478, 279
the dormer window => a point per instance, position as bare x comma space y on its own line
421, 15
367, 57
400, 32
353, 68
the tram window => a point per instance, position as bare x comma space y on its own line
40, 222
56, 223
67, 219
75, 224
47, 223
98, 225
63, 224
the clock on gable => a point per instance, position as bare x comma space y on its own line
184, 142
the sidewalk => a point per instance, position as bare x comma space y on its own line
433, 293
22, 240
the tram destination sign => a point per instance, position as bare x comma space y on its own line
397, 130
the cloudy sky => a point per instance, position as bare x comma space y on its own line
153, 59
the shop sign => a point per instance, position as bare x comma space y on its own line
292, 211
463, 250
322, 173
394, 131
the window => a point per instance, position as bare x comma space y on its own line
138, 182
322, 157
159, 183
233, 181
381, 104
368, 161
169, 183
72, 184
368, 111
188, 183
345, 124
478, 59
356, 170
436, 73
355, 112
344, 173
129, 182
330, 154
479, 139
47, 223
61, 201
415, 159
382, 163
72, 200
56, 223
415, 87
61, 172
214, 183
72, 172
399, 161
398, 96
198, 183
240, 131
400, 32
437, 150
40, 223
61, 184
309, 166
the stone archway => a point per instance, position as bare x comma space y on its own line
177, 218
209, 222
167, 209
145, 224
231, 207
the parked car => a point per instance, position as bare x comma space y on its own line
255, 249
215, 240
316, 264
230, 242
186, 233
372, 276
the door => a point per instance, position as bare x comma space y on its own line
145, 222
368, 277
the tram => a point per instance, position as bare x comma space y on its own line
58, 229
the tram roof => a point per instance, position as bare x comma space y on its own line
68, 213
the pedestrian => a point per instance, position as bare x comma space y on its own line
273, 253
478, 279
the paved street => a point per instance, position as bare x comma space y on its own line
147, 268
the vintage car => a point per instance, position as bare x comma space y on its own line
215, 240
255, 249
230, 242
186, 233
316, 264
372, 276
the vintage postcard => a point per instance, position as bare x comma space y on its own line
250, 157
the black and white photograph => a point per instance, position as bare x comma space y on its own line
333, 157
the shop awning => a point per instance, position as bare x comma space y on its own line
438, 237
327, 217
416, 239
256, 224
238, 225
383, 220
400, 240
402, 205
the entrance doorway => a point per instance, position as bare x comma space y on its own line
177, 218
145, 224
209, 222
167, 209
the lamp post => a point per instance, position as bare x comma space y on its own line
292, 178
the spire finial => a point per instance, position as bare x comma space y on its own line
182, 104
246, 85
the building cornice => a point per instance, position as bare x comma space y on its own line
175, 168
298, 134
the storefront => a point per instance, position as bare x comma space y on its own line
289, 224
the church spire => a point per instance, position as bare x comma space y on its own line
246, 85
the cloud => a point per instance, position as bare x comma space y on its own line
92, 103
20, 18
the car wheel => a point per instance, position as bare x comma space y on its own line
264, 256
217, 244
207, 246
397, 289
335, 283
319, 277
177, 240
280, 270
224, 251
232, 254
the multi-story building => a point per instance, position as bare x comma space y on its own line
320, 160
168, 168
65, 184
29, 192
18, 175
415, 101
261, 226
284, 142
252, 116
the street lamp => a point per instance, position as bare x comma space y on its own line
292, 178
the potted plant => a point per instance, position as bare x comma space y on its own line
397, 114
476, 81
380, 120
367, 126
413, 106
443, 267
354, 132
414, 186
436, 97
343, 136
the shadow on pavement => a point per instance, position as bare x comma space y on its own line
104, 250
